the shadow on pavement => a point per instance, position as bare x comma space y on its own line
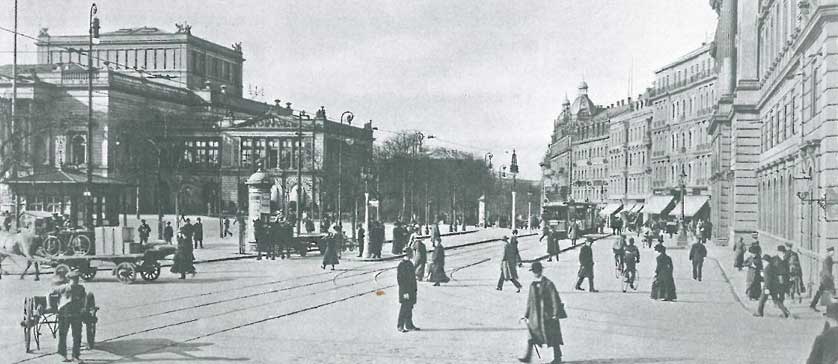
629, 361
129, 350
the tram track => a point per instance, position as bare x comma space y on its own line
375, 270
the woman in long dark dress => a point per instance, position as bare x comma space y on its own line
183, 260
438, 265
330, 257
663, 287
753, 281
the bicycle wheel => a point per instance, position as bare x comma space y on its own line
80, 244
51, 245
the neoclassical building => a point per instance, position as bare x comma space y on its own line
629, 152
779, 62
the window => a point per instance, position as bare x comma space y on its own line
78, 150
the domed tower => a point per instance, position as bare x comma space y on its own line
582, 105
562, 120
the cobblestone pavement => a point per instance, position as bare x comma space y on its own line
292, 311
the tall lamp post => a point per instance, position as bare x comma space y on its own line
682, 230
299, 208
93, 34
513, 169
488, 159
346, 117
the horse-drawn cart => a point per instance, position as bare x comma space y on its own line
42, 311
303, 243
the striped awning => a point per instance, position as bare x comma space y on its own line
693, 205
657, 204
610, 209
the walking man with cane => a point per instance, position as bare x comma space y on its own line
544, 309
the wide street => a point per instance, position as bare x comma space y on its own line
292, 311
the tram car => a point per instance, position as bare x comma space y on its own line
559, 215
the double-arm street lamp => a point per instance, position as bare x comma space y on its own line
682, 230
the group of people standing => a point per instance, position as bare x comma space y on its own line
273, 238
376, 236
770, 276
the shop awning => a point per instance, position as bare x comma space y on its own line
610, 209
631, 208
638, 207
693, 205
657, 204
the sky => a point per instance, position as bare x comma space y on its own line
480, 75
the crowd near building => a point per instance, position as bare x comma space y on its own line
171, 131
740, 131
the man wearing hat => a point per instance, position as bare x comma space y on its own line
825, 348
586, 266
508, 265
827, 284
406, 278
792, 261
544, 309
71, 304
772, 287
144, 230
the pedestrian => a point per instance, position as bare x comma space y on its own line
309, 224
739, 249
198, 233
333, 242
792, 260
261, 232
825, 348
144, 230
514, 241
275, 243
782, 268
707, 231
286, 239
586, 267
406, 279
396, 247
7, 221
361, 235
509, 266
379, 239
631, 257
618, 248
663, 286
420, 258
168, 232
572, 234
827, 283
227, 231
437, 268
697, 254
183, 259
773, 287
188, 230
71, 306
552, 243
544, 310
753, 280
436, 235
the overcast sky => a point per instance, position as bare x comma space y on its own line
480, 75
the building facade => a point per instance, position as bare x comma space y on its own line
629, 158
784, 152
169, 121
682, 98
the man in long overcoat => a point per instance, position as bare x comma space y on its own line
509, 266
397, 246
825, 348
827, 284
406, 278
586, 266
773, 287
792, 260
697, 254
198, 233
552, 242
663, 286
420, 258
542, 315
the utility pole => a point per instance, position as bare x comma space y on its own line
513, 168
300, 170
93, 33
12, 127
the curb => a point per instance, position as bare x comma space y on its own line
736, 295
394, 257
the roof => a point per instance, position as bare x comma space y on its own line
137, 30
59, 176
692, 54
581, 103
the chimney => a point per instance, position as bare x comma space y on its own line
288, 106
277, 104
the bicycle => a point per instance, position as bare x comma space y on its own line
78, 243
630, 279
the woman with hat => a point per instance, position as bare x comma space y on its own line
437, 269
663, 286
183, 257
544, 309
330, 257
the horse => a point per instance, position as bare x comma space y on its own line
23, 244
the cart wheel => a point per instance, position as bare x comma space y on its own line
88, 273
151, 271
80, 244
126, 272
51, 246
28, 311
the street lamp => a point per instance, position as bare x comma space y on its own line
488, 159
300, 170
682, 230
366, 176
93, 33
347, 117
513, 169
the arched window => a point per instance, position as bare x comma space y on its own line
78, 150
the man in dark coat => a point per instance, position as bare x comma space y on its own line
552, 242
378, 243
772, 287
542, 316
188, 230
261, 232
397, 246
168, 232
183, 261
514, 241
198, 233
406, 278
144, 230
697, 254
361, 235
509, 266
586, 266
792, 260
438, 265
825, 348
827, 284
275, 236
663, 287
70, 314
